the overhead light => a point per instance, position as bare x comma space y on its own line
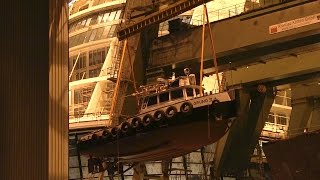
247, 67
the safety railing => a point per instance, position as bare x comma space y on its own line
235, 10
219, 14
302, 130
75, 117
282, 100
226, 12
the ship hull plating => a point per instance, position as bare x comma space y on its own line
167, 139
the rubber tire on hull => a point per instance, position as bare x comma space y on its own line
215, 101
217, 115
186, 108
94, 139
125, 128
147, 120
171, 112
135, 123
114, 132
106, 135
159, 116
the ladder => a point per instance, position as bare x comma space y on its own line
158, 17
112, 72
261, 165
74, 152
223, 81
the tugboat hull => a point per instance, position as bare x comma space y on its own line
172, 138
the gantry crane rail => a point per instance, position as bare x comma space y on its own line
157, 17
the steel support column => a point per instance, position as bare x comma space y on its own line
234, 150
139, 171
165, 169
34, 93
305, 114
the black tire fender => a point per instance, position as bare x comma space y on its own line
94, 139
216, 114
147, 120
125, 127
135, 123
106, 133
114, 131
159, 115
215, 101
171, 112
186, 107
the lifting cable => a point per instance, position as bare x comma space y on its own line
112, 109
201, 62
132, 72
205, 20
202, 50
213, 48
117, 88
205, 14
135, 89
133, 77
118, 154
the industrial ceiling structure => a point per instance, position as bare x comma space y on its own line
162, 89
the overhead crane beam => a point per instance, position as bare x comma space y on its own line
158, 17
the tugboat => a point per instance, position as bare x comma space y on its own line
175, 117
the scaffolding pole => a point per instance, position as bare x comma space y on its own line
74, 66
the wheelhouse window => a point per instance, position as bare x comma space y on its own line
176, 94
197, 91
189, 92
164, 97
152, 100
282, 119
271, 118
145, 101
